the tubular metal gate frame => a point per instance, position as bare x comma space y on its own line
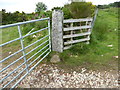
23, 52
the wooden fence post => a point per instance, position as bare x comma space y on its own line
57, 31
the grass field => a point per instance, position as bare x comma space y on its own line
99, 54
11, 33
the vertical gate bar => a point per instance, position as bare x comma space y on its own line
90, 23
94, 18
88, 30
71, 25
1, 52
86, 25
49, 34
22, 46
80, 26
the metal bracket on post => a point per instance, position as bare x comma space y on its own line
22, 46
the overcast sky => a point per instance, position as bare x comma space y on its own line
29, 6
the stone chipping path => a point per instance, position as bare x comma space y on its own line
49, 76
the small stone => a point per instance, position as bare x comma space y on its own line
55, 59
109, 45
115, 56
34, 36
115, 29
76, 56
83, 70
10, 52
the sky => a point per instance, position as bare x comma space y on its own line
28, 6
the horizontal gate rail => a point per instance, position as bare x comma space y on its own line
45, 45
21, 23
76, 35
67, 47
77, 20
10, 56
10, 42
35, 32
76, 41
76, 28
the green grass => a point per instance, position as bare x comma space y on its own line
97, 55
12, 33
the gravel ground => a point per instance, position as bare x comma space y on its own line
49, 76
9, 78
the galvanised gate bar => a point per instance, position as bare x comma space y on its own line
45, 47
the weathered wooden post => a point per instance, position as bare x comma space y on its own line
57, 31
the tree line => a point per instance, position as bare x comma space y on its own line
9, 18
73, 10
115, 4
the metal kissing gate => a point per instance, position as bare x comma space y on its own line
45, 47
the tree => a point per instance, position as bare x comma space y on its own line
66, 11
40, 7
115, 4
57, 8
79, 9
3, 10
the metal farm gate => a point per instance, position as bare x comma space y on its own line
43, 48
76, 34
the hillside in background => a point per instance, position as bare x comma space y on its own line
115, 4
